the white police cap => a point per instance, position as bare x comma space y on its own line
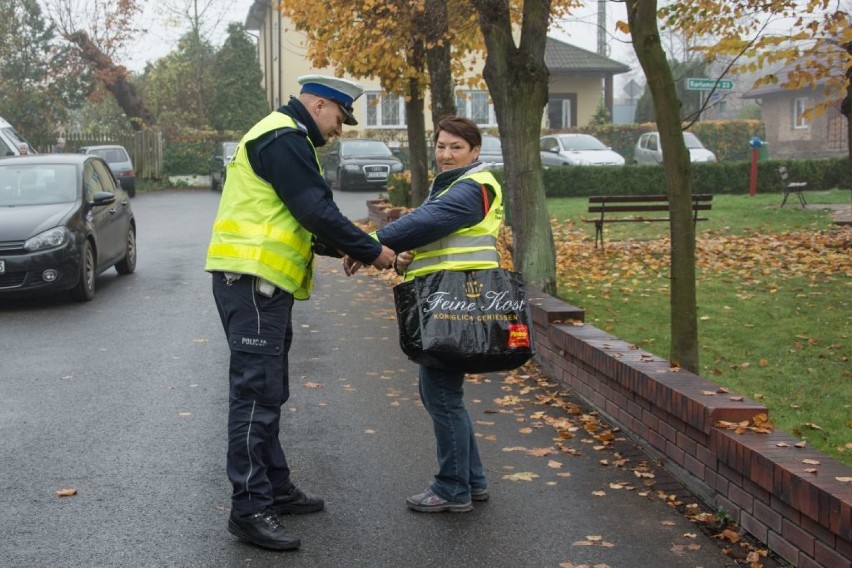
341, 91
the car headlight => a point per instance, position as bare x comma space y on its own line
52, 238
396, 167
351, 168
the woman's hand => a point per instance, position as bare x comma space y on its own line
350, 265
402, 261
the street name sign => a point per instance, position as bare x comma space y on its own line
693, 84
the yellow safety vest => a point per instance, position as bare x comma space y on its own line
471, 248
254, 232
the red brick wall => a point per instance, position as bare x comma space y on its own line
804, 517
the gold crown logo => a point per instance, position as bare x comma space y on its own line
472, 289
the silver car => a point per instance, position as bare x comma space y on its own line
119, 163
649, 151
576, 150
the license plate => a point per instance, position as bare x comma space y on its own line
377, 175
2, 266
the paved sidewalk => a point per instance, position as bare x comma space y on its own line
560, 495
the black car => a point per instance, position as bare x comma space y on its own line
63, 220
358, 163
219, 164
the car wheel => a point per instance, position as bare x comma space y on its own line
128, 264
85, 288
213, 184
339, 185
131, 190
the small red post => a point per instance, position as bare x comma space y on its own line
752, 187
755, 143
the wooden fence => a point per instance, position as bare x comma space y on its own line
145, 148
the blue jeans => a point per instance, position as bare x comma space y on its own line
459, 465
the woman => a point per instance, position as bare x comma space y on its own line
454, 229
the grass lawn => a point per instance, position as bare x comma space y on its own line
773, 301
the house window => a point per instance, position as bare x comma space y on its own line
385, 111
800, 105
476, 105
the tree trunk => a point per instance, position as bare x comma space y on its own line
416, 128
517, 80
438, 60
642, 18
846, 108
414, 115
115, 79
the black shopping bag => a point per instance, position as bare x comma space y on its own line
476, 321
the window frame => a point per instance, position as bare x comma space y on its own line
465, 98
374, 111
800, 107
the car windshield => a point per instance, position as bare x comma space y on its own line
111, 155
578, 143
491, 144
37, 184
229, 148
692, 141
372, 148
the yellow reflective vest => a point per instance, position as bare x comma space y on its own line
254, 232
471, 248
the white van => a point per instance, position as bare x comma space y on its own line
10, 140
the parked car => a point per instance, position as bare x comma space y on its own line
577, 150
119, 163
649, 151
63, 220
359, 163
219, 164
11, 142
491, 151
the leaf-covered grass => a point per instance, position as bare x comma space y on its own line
773, 302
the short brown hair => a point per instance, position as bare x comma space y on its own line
459, 126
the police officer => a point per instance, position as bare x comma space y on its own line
275, 213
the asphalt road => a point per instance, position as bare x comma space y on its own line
124, 399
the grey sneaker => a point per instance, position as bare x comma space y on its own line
428, 502
479, 493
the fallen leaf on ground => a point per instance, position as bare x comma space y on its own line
521, 476
66, 492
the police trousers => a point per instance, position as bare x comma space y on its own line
259, 331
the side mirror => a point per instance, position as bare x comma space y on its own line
104, 198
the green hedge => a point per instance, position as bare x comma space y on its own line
719, 177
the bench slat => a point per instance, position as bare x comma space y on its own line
640, 208
643, 198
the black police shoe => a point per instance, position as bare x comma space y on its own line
296, 502
263, 529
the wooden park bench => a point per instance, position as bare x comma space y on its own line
609, 204
789, 187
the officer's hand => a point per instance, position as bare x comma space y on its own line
385, 259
